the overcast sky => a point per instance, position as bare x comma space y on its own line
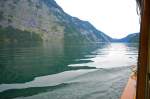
116, 18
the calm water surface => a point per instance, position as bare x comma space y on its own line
30, 70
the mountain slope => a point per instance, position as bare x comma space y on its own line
131, 38
47, 20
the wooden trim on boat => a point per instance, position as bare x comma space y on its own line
143, 53
130, 89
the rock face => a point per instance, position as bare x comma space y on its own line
131, 38
47, 20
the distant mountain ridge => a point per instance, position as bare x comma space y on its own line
44, 18
131, 38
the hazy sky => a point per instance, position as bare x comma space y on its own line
116, 18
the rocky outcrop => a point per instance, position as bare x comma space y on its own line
48, 21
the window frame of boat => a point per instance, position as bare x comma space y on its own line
144, 50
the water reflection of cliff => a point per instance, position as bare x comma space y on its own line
21, 63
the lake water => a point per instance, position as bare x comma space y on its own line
63, 71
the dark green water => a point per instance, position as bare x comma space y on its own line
23, 63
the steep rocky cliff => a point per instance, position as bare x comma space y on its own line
45, 19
